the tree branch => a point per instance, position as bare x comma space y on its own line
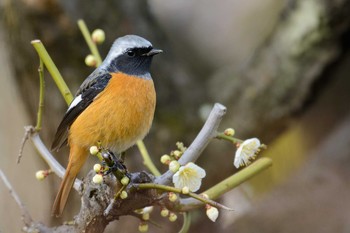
228, 184
54, 165
27, 219
207, 133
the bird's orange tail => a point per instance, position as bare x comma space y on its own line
77, 158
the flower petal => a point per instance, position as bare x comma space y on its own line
246, 151
189, 175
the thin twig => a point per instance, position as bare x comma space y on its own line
166, 188
41, 95
27, 219
109, 207
87, 36
207, 133
27, 132
228, 138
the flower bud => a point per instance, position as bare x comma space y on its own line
123, 195
181, 146
97, 167
145, 216
164, 212
147, 209
97, 179
172, 196
40, 175
143, 227
90, 60
212, 213
125, 180
177, 154
174, 166
172, 217
229, 132
185, 190
98, 36
94, 150
165, 159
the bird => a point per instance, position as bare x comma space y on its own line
114, 106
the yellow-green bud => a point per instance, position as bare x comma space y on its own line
145, 216
40, 175
229, 132
94, 150
177, 154
97, 167
98, 36
185, 190
174, 166
123, 195
90, 60
164, 212
165, 159
143, 227
172, 196
181, 146
125, 180
172, 217
97, 179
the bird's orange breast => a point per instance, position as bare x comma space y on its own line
119, 116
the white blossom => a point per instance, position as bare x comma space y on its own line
246, 151
190, 176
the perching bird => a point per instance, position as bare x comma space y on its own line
114, 106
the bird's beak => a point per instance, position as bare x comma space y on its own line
153, 52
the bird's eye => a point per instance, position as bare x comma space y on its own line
130, 53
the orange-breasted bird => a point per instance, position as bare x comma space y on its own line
113, 106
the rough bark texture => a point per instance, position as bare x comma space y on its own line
95, 198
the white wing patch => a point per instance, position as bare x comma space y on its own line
75, 102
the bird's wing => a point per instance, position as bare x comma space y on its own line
89, 89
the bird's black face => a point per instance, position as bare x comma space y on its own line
135, 61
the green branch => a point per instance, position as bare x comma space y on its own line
187, 222
92, 46
147, 161
238, 178
51, 67
41, 96
228, 184
166, 188
228, 138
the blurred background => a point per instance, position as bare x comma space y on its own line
279, 66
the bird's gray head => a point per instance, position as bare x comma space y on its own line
130, 54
